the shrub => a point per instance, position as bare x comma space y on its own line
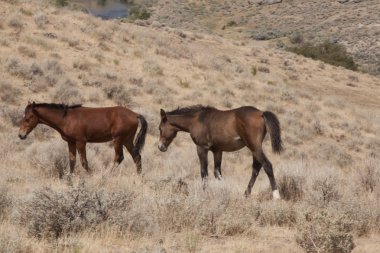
296, 38
369, 176
291, 186
138, 12
321, 233
67, 93
51, 214
8, 93
118, 94
11, 114
16, 22
27, 51
264, 34
26, 71
253, 70
61, 3
331, 53
40, 20
51, 158
276, 214
152, 68
324, 189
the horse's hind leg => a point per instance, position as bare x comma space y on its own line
256, 167
269, 171
81, 147
119, 157
261, 159
136, 157
217, 164
72, 155
202, 154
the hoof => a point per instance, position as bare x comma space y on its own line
276, 195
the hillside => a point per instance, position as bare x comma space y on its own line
355, 24
329, 118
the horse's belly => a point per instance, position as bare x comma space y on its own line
99, 138
230, 146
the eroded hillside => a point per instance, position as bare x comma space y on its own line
355, 24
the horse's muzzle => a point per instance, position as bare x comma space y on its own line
22, 136
162, 147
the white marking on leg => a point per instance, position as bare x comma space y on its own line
276, 194
237, 138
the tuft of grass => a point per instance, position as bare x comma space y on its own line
5, 202
253, 70
328, 52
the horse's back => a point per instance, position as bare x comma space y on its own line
99, 124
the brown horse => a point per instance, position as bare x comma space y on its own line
217, 131
79, 125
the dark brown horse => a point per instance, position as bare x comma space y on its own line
217, 131
79, 125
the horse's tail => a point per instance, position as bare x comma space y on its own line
140, 137
273, 126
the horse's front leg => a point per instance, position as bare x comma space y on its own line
72, 155
81, 147
218, 164
202, 154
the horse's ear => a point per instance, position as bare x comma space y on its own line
29, 103
163, 115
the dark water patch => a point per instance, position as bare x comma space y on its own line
106, 9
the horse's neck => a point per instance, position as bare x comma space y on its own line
52, 117
183, 122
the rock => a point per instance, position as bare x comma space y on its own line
343, 1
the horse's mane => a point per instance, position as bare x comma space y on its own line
189, 110
63, 107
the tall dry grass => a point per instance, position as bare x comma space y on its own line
327, 175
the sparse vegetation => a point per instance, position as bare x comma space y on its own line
327, 176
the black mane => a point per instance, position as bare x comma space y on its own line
57, 106
62, 107
189, 110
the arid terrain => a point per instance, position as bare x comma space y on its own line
328, 174
355, 24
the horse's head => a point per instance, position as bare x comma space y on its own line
28, 122
167, 132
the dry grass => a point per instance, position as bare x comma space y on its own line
328, 128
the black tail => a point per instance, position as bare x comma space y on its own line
273, 126
140, 138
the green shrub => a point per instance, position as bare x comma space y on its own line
61, 2
331, 53
138, 12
